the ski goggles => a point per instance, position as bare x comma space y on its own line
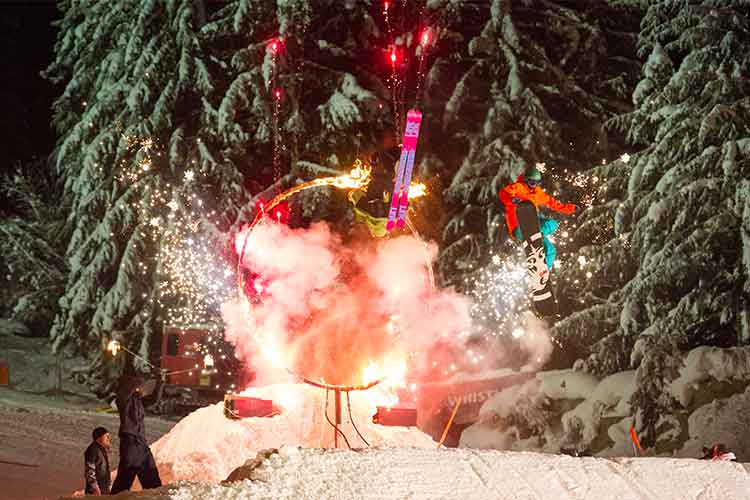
533, 182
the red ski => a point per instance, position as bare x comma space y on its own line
400, 196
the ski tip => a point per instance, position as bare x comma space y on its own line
414, 112
389, 226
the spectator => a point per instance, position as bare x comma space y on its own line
96, 460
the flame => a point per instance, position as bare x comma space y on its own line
288, 398
357, 178
114, 347
392, 373
417, 190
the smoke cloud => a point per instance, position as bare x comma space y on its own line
324, 309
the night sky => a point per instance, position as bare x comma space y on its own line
27, 40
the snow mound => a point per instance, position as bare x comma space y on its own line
721, 421
609, 398
206, 446
704, 363
567, 384
420, 474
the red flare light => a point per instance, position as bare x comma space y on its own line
385, 6
277, 94
274, 46
425, 38
393, 56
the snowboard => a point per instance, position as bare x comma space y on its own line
541, 286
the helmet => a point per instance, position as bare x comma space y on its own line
533, 177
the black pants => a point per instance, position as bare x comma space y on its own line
135, 460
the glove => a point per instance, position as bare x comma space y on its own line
516, 201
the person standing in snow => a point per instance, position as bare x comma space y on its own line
135, 455
527, 188
96, 463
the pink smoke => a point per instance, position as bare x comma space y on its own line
328, 309
325, 309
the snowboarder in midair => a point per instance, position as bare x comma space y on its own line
527, 188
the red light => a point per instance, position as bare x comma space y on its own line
385, 6
393, 56
425, 37
277, 93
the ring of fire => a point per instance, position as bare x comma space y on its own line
357, 179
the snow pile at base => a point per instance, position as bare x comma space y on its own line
421, 474
571, 409
704, 363
721, 421
206, 446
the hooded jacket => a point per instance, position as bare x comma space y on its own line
535, 195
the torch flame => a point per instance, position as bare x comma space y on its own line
114, 347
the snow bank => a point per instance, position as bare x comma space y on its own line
421, 474
704, 363
608, 399
206, 446
567, 384
594, 400
505, 402
721, 421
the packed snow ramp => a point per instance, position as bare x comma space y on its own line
410, 473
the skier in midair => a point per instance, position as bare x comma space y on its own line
527, 188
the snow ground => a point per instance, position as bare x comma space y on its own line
42, 440
421, 474
226, 444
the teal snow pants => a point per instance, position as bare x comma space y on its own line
547, 226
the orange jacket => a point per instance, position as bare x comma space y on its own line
535, 195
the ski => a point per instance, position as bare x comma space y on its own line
400, 196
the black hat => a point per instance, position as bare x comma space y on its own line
99, 432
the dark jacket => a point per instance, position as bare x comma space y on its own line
130, 406
97, 473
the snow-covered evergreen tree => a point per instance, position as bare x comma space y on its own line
135, 145
536, 85
33, 237
298, 94
166, 106
670, 270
